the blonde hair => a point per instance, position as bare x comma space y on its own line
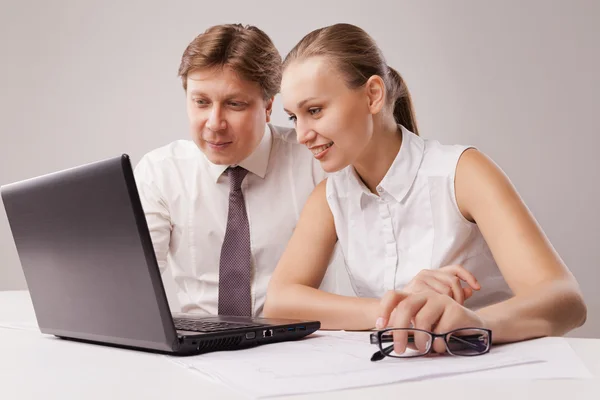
356, 55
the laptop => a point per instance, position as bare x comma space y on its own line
88, 260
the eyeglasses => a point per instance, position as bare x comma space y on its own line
418, 342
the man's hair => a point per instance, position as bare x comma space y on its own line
245, 49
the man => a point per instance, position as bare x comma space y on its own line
221, 208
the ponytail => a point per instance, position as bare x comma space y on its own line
358, 58
403, 108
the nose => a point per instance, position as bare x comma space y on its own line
304, 134
216, 120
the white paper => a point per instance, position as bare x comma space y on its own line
328, 361
559, 361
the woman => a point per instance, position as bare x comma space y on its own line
413, 217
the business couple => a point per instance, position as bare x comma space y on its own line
248, 215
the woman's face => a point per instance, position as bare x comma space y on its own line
332, 120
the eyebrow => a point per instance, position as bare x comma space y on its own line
228, 97
301, 103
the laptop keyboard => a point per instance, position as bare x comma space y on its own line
195, 325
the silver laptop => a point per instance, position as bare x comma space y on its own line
88, 260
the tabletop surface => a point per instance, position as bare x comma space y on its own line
39, 366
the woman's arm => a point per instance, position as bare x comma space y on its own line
547, 297
293, 292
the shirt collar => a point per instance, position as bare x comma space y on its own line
402, 173
257, 162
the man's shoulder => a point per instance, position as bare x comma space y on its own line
168, 160
286, 135
176, 150
286, 143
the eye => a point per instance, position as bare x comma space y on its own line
314, 111
200, 102
292, 118
237, 104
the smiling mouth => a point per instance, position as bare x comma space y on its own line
319, 149
220, 144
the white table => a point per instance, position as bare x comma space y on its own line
37, 366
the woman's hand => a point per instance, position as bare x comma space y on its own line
429, 311
446, 280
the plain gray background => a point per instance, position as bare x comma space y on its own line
86, 80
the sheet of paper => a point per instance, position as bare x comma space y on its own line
559, 362
328, 361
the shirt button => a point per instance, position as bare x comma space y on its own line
379, 189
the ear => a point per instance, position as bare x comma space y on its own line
375, 88
269, 108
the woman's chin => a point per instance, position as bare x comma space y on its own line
330, 166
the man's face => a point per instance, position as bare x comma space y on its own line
227, 114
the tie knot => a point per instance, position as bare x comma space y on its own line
236, 176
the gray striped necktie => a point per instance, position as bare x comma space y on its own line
235, 264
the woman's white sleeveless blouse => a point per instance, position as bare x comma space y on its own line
413, 224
